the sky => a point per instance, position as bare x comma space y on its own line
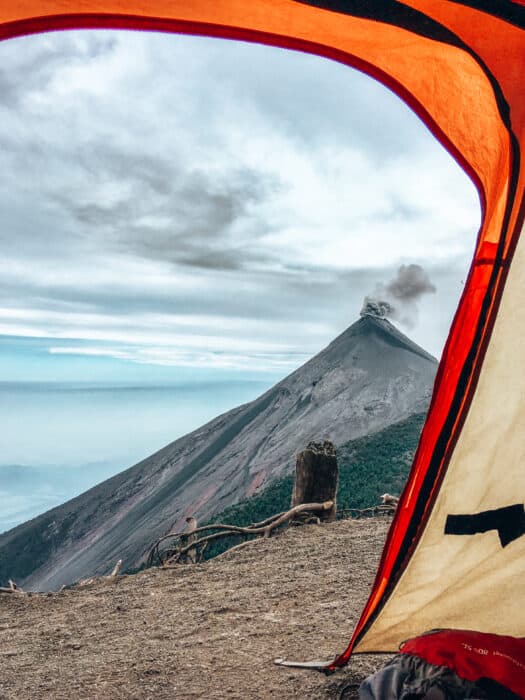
182, 208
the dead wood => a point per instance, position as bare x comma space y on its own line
86, 581
238, 546
12, 587
317, 477
268, 520
373, 510
264, 529
388, 500
200, 556
191, 555
116, 569
113, 576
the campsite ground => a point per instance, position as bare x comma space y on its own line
200, 631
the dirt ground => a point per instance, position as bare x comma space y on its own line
200, 631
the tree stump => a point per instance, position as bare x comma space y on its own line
317, 477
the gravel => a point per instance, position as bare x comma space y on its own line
200, 631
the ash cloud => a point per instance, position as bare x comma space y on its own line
398, 299
410, 283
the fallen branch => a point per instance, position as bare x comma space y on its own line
373, 510
182, 536
302, 508
200, 556
178, 555
268, 520
238, 546
116, 569
265, 528
92, 579
86, 581
12, 588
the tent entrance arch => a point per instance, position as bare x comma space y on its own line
459, 65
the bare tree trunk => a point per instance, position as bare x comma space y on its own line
317, 477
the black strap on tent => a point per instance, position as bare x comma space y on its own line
508, 521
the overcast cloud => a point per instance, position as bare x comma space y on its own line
177, 200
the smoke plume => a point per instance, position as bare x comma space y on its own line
398, 298
376, 307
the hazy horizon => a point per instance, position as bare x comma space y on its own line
59, 439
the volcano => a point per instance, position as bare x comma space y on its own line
369, 377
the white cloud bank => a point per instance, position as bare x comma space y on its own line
191, 201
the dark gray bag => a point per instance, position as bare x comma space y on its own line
410, 678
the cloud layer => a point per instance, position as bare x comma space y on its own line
180, 200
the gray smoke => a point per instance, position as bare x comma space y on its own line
376, 307
410, 284
398, 298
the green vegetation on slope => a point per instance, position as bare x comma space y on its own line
368, 467
377, 463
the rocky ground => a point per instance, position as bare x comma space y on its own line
200, 631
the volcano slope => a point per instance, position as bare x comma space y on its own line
369, 377
200, 631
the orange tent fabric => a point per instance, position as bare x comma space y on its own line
460, 65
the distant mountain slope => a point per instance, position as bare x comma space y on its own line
368, 378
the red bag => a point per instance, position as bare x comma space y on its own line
474, 655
